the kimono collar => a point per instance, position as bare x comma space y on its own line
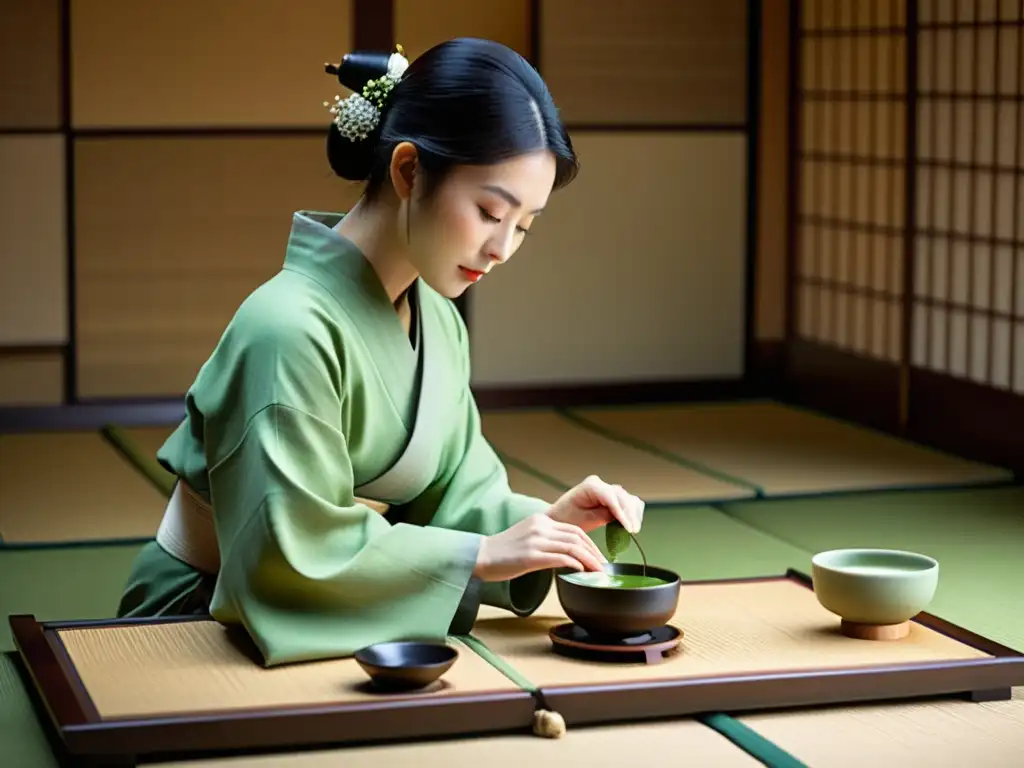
318, 251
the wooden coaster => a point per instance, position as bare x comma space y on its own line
649, 648
875, 631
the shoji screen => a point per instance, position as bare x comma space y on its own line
908, 268
849, 245
637, 271
968, 298
969, 287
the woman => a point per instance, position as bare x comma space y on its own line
334, 487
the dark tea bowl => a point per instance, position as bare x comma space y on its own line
614, 612
403, 666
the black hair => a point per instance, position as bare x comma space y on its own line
464, 102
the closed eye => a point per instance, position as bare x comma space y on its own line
486, 216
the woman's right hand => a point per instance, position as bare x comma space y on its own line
534, 544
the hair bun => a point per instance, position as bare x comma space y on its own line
354, 160
359, 68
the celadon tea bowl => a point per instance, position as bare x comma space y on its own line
874, 586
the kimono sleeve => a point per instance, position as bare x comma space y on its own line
309, 571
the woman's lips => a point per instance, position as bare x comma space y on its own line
471, 274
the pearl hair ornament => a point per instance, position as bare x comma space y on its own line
359, 115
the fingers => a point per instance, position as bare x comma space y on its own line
633, 505
578, 534
555, 560
623, 506
551, 537
578, 545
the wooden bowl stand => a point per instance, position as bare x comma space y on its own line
875, 631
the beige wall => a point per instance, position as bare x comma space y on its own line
640, 266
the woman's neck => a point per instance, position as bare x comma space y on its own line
372, 228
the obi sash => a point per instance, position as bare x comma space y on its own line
187, 530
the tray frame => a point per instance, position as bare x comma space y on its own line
986, 679
82, 734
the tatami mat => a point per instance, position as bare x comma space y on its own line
139, 446
62, 584
51, 584
559, 448
523, 481
60, 487
787, 451
977, 535
592, 747
932, 733
704, 543
23, 742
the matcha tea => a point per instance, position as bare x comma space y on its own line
613, 580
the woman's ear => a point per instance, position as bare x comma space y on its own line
403, 169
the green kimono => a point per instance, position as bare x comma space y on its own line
316, 395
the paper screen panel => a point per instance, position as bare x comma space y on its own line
852, 177
852, 14
160, 274
660, 61
420, 25
196, 63
968, 228
985, 11
728, 629
30, 64
199, 666
33, 259
622, 263
31, 378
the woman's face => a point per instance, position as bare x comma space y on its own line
476, 219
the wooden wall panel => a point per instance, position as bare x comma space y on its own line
33, 275
31, 378
611, 62
420, 25
201, 63
772, 177
172, 234
639, 265
30, 64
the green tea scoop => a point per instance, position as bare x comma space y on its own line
617, 540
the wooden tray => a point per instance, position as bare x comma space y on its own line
136, 688
752, 644
125, 689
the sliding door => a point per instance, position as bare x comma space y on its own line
848, 268
907, 237
967, 361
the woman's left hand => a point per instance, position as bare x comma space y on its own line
594, 503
